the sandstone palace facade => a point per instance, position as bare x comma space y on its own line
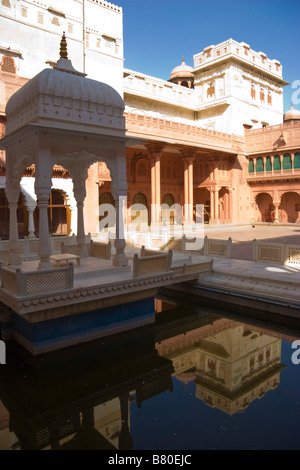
213, 134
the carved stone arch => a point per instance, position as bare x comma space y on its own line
289, 208
265, 207
295, 191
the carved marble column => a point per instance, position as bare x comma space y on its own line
212, 206
120, 258
217, 212
155, 152
188, 162
12, 190
80, 194
14, 243
45, 249
276, 215
31, 227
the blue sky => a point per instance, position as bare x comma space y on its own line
157, 33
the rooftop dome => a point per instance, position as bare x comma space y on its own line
291, 115
62, 97
182, 70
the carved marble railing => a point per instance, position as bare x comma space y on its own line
100, 250
29, 247
217, 248
196, 268
154, 127
22, 283
160, 263
281, 253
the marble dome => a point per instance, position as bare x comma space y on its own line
62, 97
291, 115
183, 71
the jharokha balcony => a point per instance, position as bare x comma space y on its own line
274, 153
280, 167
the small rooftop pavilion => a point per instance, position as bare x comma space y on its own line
61, 117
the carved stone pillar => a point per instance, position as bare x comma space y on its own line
281, 163
188, 162
217, 212
155, 152
272, 164
14, 243
229, 204
31, 226
120, 258
12, 189
79, 176
212, 205
276, 215
45, 249
43, 184
293, 162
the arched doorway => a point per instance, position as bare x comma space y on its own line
202, 196
265, 208
59, 214
289, 209
106, 201
141, 199
167, 215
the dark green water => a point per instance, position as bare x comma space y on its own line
192, 381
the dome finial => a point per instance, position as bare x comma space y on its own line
183, 59
63, 47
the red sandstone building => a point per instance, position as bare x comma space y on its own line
214, 134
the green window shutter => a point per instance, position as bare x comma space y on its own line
287, 162
259, 165
297, 160
251, 166
268, 164
277, 165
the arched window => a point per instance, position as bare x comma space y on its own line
287, 162
8, 64
106, 198
253, 92
277, 163
262, 95
141, 169
55, 21
59, 214
268, 164
269, 98
297, 160
251, 166
168, 199
141, 199
259, 165
210, 90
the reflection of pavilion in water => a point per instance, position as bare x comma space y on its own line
80, 399
232, 364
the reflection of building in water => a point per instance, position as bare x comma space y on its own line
231, 364
80, 399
